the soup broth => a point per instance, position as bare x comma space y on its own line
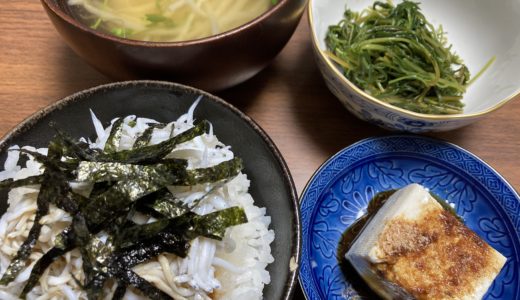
167, 20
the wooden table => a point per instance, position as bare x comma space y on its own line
288, 99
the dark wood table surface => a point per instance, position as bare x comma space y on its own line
288, 99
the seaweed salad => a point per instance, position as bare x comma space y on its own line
104, 191
394, 54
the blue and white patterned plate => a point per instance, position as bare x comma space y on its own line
339, 191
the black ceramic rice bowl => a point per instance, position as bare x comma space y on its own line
271, 183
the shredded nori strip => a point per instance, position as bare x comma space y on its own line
11, 184
224, 170
162, 204
19, 261
120, 291
167, 174
66, 242
106, 206
101, 187
143, 250
187, 226
113, 171
112, 142
94, 254
70, 201
41, 265
169, 208
214, 225
144, 139
143, 155
165, 204
65, 166
131, 235
61, 173
131, 278
48, 190
123, 182
78, 150
117, 199
154, 153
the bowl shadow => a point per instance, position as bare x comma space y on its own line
311, 99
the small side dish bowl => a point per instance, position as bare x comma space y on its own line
478, 30
271, 185
211, 63
340, 190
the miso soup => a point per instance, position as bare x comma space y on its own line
167, 20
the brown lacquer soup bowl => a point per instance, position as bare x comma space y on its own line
213, 63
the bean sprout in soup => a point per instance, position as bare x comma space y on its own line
167, 20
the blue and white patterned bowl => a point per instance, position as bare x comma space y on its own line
497, 86
339, 191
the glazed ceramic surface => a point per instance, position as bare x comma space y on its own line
339, 191
271, 183
477, 29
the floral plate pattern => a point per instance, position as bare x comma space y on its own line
339, 191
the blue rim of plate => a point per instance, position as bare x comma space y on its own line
339, 190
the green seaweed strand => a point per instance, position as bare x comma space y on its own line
64, 242
11, 184
144, 139
122, 181
114, 136
154, 153
48, 191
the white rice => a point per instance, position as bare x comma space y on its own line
234, 268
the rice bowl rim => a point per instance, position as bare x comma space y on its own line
30, 121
